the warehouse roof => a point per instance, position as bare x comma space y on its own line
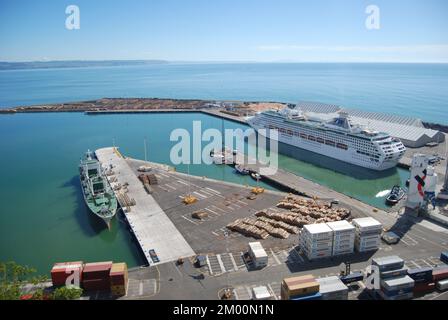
408, 129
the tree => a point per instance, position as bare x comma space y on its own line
67, 293
13, 278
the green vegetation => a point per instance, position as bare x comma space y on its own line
14, 278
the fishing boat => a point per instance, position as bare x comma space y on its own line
98, 195
395, 195
241, 170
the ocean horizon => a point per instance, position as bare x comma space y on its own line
411, 89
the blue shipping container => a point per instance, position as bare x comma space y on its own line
315, 296
444, 257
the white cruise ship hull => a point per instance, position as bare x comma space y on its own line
349, 156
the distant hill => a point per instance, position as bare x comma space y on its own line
75, 64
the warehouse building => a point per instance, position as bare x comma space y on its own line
409, 130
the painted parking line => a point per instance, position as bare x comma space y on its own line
213, 190
207, 193
200, 195
275, 257
164, 189
182, 182
414, 264
212, 212
233, 262
189, 220
209, 265
242, 202
434, 260
217, 208
164, 175
422, 261
169, 186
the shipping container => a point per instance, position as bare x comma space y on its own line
421, 274
444, 257
258, 254
440, 273
388, 263
394, 273
62, 270
405, 296
423, 288
119, 274
297, 286
398, 283
442, 285
332, 288
96, 285
97, 270
313, 296
367, 224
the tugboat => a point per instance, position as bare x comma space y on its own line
241, 170
98, 195
395, 195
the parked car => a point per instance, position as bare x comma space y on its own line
153, 255
390, 237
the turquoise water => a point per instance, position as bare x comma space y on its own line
406, 89
43, 218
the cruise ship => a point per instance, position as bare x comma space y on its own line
337, 138
98, 195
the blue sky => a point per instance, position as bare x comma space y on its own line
225, 30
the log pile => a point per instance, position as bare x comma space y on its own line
248, 230
296, 212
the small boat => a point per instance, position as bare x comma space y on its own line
255, 176
395, 195
241, 170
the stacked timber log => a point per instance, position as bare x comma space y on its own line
273, 231
280, 224
296, 212
248, 230
289, 218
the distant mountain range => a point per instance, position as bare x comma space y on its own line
75, 64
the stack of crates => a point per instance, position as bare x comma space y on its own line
316, 241
300, 288
332, 288
368, 234
423, 278
395, 283
118, 279
343, 237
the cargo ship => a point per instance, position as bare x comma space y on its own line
98, 195
337, 138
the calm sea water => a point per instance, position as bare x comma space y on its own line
418, 90
43, 218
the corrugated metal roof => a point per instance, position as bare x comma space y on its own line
390, 118
318, 107
408, 129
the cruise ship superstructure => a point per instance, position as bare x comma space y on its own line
337, 138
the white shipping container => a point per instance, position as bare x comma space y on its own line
367, 224
258, 254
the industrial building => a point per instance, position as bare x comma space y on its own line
409, 130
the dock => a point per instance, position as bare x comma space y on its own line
151, 226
